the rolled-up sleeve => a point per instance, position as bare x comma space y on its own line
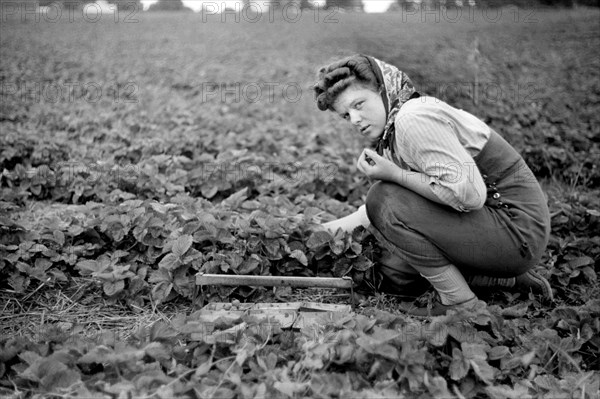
429, 144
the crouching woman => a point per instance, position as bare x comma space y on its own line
454, 204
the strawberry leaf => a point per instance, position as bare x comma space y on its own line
459, 367
113, 287
181, 245
161, 291
299, 256
170, 262
318, 239
249, 265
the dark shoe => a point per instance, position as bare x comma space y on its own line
439, 309
478, 281
526, 282
398, 283
533, 282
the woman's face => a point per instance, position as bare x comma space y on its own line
363, 108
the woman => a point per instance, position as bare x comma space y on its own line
454, 203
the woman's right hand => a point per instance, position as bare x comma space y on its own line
375, 166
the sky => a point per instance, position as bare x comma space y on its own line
196, 5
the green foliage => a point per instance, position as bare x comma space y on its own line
125, 247
475, 354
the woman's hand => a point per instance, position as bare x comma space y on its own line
375, 166
347, 223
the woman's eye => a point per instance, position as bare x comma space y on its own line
358, 105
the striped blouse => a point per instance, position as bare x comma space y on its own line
440, 141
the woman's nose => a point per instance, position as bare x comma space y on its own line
355, 118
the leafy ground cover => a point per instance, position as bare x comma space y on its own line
135, 155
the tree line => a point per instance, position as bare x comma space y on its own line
349, 5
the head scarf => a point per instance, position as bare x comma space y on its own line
397, 89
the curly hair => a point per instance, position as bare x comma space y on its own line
334, 78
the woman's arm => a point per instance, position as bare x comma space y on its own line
380, 168
350, 222
447, 173
431, 142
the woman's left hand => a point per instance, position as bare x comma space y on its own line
375, 166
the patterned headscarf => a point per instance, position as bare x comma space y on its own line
398, 89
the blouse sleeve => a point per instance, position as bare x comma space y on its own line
429, 144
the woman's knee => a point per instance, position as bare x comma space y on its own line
385, 202
392, 259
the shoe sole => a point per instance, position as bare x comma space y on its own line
542, 286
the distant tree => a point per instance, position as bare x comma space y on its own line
302, 4
25, 2
589, 3
431, 3
403, 5
502, 3
526, 3
168, 5
121, 4
350, 5
127, 4
70, 3
559, 3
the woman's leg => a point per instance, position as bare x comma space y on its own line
416, 250
430, 235
395, 276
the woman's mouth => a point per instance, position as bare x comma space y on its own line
364, 129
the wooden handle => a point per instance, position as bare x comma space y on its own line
273, 281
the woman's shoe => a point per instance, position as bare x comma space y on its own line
533, 282
526, 282
439, 309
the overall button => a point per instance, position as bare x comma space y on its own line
496, 196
